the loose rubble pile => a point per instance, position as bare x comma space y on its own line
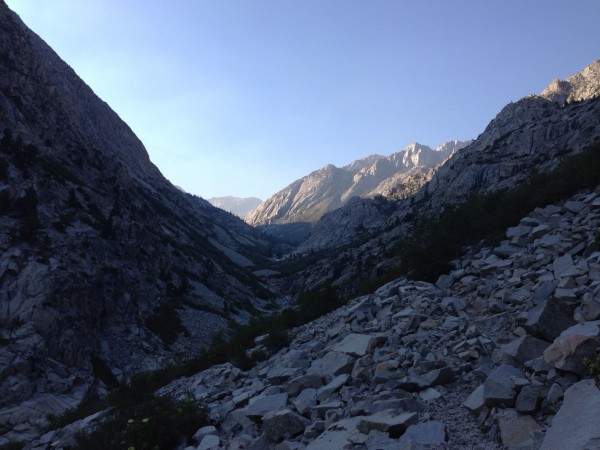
489, 357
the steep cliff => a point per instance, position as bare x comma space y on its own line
103, 262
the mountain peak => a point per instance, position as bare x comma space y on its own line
583, 85
330, 188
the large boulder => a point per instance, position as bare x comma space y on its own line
516, 430
575, 343
550, 318
525, 348
389, 422
284, 423
337, 436
356, 344
577, 423
500, 388
332, 364
261, 405
423, 434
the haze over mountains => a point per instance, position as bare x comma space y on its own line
236, 205
108, 270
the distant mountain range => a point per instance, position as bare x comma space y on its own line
396, 176
236, 205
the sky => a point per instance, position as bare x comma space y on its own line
243, 97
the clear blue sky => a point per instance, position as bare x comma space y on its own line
242, 97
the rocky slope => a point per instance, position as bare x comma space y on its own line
309, 198
488, 357
241, 207
103, 263
534, 133
491, 353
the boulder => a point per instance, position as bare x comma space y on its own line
423, 434
259, 406
337, 436
388, 422
325, 392
575, 343
279, 374
530, 398
525, 348
543, 290
204, 431
284, 423
476, 401
305, 400
298, 384
577, 423
550, 318
332, 364
356, 344
588, 310
563, 264
500, 388
437, 377
516, 430
209, 442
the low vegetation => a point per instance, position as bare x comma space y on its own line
142, 421
592, 365
13, 445
426, 252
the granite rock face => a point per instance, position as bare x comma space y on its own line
576, 423
96, 246
309, 198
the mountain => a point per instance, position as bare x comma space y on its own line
534, 133
105, 266
236, 205
309, 198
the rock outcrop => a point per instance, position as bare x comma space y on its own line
580, 86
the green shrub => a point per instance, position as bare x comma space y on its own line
13, 445
103, 373
91, 404
160, 422
277, 339
592, 365
427, 250
165, 323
